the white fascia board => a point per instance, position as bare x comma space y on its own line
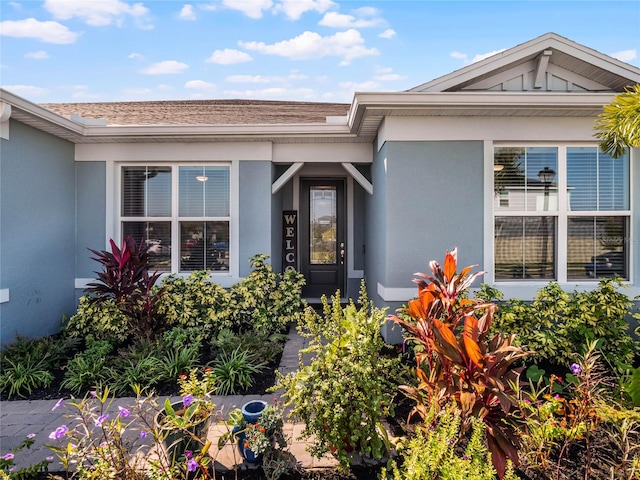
37, 111
173, 152
514, 100
191, 131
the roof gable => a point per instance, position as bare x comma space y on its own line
547, 63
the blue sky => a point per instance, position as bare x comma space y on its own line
307, 50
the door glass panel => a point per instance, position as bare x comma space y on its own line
322, 225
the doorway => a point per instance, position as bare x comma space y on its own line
323, 236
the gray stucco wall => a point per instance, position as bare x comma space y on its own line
90, 217
255, 211
428, 198
37, 229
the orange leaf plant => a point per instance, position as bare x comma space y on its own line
457, 361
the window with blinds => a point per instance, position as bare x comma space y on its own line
560, 213
180, 205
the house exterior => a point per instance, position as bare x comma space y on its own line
498, 159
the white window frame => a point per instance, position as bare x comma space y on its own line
526, 289
224, 278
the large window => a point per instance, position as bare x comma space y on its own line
181, 212
561, 213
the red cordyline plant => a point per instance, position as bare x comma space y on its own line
457, 361
125, 278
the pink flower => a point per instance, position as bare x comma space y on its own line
8, 456
60, 432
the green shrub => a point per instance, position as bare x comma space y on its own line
98, 319
557, 324
432, 452
348, 386
129, 374
88, 368
235, 371
194, 301
24, 375
176, 361
265, 347
265, 301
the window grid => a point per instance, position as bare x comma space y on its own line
564, 213
175, 220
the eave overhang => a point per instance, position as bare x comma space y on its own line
369, 109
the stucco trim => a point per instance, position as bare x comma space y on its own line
4, 295
390, 294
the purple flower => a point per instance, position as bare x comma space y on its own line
49, 459
188, 454
124, 413
94, 393
187, 400
575, 369
8, 456
143, 434
58, 404
59, 432
31, 435
192, 465
101, 419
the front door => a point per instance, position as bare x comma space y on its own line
322, 236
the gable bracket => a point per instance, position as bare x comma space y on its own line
358, 177
541, 68
284, 178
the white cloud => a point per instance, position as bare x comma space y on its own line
482, 56
39, 55
248, 79
251, 8
367, 11
625, 55
82, 93
165, 67
187, 13
229, 56
368, 86
295, 8
279, 93
199, 85
388, 33
96, 12
390, 77
208, 7
135, 55
27, 91
348, 44
49, 32
340, 20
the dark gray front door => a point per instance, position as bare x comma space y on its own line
322, 236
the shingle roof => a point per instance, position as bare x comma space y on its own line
203, 112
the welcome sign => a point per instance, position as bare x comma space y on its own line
289, 240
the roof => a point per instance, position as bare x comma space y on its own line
595, 71
203, 112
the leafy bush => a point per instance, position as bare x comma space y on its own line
265, 347
128, 374
433, 452
176, 361
194, 301
124, 280
235, 371
557, 324
88, 368
99, 319
347, 387
22, 376
265, 301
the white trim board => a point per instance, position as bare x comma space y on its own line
4, 295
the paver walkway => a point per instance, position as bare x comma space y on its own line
21, 418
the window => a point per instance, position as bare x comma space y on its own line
561, 213
181, 212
